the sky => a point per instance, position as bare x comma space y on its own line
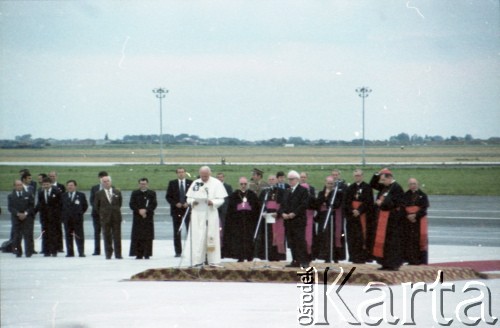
250, 69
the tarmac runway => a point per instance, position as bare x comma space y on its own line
453, 220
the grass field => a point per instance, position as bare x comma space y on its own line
439, 181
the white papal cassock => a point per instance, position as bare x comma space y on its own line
204, 225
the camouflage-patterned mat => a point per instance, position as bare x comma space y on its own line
276, 272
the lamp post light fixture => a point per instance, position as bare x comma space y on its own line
160, 94
363, 92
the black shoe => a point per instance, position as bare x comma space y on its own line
81, 255
304, 265
241, 260
46, 255
35, 252
54, 255
108, 257
178, 255
70, 255
293, 265
119, 257
19, 255
96, 253
138, 257
146, 257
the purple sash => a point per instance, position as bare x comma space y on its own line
244, 206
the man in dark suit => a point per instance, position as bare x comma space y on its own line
293, 211
27, 181
96, 221
74, 205
108, 203
31, 182
21, 206
49, 207
176, 197
62, 189
53, 179
281, 184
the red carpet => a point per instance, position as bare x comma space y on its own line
277, 272
478, 266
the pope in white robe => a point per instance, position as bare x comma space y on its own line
204, 196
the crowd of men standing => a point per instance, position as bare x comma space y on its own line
259, 219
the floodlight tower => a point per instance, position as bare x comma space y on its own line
160, 94
363, 92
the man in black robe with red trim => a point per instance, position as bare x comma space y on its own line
415, 234
390, 213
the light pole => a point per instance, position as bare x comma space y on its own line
160, 94
363, 92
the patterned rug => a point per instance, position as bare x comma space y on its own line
276, 272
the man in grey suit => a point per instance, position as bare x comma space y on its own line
108, 203
21, 207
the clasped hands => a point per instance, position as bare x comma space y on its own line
209, 202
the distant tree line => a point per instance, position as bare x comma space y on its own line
402, 139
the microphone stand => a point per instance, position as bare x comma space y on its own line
266, 252
328, 214
190, 236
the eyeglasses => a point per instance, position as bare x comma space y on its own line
243, 184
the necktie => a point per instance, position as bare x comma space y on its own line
19, 194
108, 193
182, 193
46, 196
72, 196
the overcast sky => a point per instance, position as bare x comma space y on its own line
250, 69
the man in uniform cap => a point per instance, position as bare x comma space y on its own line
256, 182
389, 204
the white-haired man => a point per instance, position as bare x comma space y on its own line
293, 210
108, 203
205, 195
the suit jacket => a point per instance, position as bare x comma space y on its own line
93, 191
23, 204
296, 202
109, 211
59, 186
30, 189
172, 195
50, 210
74, 208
